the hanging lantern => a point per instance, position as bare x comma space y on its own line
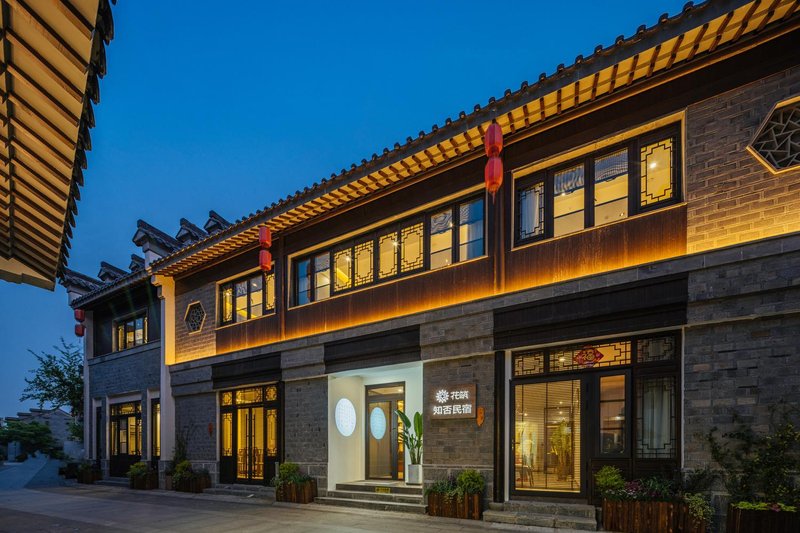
80, 330
493, 175
493, 140
265, 260
264, 237
80, 315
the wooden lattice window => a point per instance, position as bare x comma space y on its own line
776, 144
195, 316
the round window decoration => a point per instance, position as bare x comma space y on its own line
345, 417
377, 423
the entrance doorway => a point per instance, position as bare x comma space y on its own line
250, 434
385, 455
126, 437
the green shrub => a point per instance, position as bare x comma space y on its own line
183, 472
764, 506
138, 470
470, 482
699, 507
608, 481
289, 473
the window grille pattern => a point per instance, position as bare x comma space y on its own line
531, 211
247, 298
657, 172
411, 239
778, 140
272, 393
655, 349
227, 398
528, 363
272, 432
363, 264
195, 316
342, 262
584, 356
254, 395
655, 419
129, 408
387, 249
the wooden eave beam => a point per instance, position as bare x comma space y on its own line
75, 17
19, 145
770, 12
720, 31
52, 72
52, 36
747, 16
41, 119
55, 152
54, 102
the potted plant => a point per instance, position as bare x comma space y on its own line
292, 486
178, 456
142, 477
184, 479
87, 473
458, 497
653, 504
412, 441
759, 472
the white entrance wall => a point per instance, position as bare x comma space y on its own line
346, 455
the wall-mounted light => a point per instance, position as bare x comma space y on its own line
345, 417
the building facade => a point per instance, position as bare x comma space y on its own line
632, 284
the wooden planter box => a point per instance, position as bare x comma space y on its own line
87, 476
646, 517
469, 507
297, 492
193, 484
749, 521
147, 482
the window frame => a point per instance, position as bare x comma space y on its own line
123, 321
221, 286
374, 236
633, 147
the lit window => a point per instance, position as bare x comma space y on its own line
531, 211
388, 246
363, 264
470, 230
656, 173
342, 266
568, 201
411, 247
322, 276
611, 187
132, 332
441, 239
247, 298
303, 281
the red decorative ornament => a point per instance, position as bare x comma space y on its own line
493, 175
80, 315
493, 140
264, 237
80, 330
588, 356
265, 260
210, 429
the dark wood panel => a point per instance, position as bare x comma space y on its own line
641, 305
124, 303
256, 332
651, 237
378, 349
259, 369
455, 284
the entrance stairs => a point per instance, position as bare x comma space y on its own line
378, 496
549, 514
243, 491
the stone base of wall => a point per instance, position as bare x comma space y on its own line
318, 471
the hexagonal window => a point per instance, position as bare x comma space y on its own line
776, 144
195, 316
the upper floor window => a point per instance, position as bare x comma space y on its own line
599, 188
440, 238
132, 331
248, 297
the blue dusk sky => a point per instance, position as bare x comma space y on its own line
232, 108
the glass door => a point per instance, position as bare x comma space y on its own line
126, 437
384, 452
547, 445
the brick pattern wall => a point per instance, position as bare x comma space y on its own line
453, 445
306, 427
204, 342
192, 416
732, 197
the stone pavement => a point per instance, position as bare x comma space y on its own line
93, 508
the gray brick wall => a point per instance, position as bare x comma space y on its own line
204, 342
306, 427
453, 445
732, 197
192, 416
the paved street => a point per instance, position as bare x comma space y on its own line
33, 498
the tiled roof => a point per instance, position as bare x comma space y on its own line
109, 272
137, 263
145, 230
72, 278
215, 222
189, 232
696, 32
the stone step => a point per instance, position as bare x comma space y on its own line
580, 510
376, 496
114, 482
262, 495
381, 489
373, 505
540, 520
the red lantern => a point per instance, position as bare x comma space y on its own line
264, 237
493, 140
493, 175
80, 329
265, 260
80, 315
